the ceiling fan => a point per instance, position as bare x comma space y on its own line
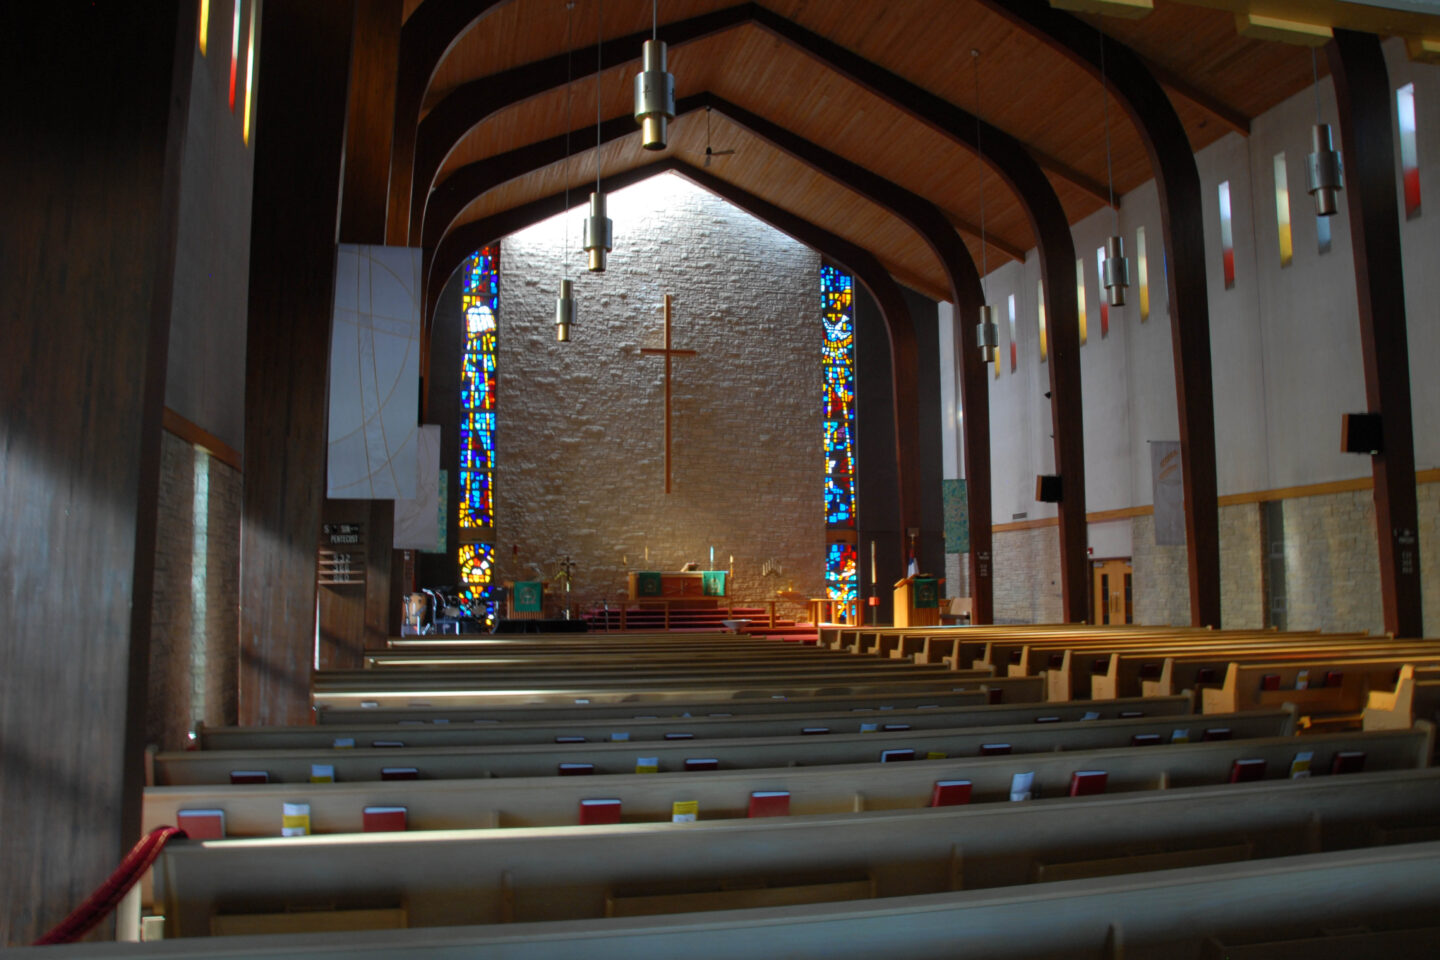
709, 153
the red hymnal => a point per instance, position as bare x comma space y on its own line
888, 756
1348, 761
1217, 733
569, 739
950, 793
995, 695
814, 730
399, 773
1145, 740
702, 763
1271, 681
770, 803
993, 749
384, 819
1334, 678
249, 776
1085, 782
575, 769
201, 824
599, 811
1243, 771
1205, 675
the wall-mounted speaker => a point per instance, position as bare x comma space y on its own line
1360, 433
1047, 488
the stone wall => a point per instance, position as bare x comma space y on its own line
1242, 568
1162, 586
194, 621
1026, 580
580, 441
1332, 563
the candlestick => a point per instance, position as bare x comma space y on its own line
647, 553
712, 556
872, 563
732, 564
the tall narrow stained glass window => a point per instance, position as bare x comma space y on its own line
1409, 153
1101, 293
1040, 317
1282, 212
1227, 237
1142, 273
480, 306
1080, 299
1014, 343
837, 310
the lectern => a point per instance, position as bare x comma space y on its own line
917, 601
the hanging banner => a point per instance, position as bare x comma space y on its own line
419, 523
957, 516
374, 373
1167, 483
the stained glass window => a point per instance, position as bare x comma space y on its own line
837, 309
480, 306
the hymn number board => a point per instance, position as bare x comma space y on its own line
341, 560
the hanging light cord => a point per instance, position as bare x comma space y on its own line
569, 100
984, 268
1315, 75
599, 22
654, 19
1105, 100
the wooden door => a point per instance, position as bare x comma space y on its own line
1112, 596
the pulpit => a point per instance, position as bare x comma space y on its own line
525, 599
917, 601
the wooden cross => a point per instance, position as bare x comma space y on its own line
667, 353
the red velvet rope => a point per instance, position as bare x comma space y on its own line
109, 894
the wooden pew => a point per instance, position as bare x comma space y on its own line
1127, 674
477, 691
1416, 694
528, 875
254, 810
972, 692
1168, 914
1335, 685
849, 743
772, 654
638, 668
419, 734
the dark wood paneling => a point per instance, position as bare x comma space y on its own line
877, 483
1182, 222
91, 214
925, 316
370, 124
299, 139
442, 383
1362, 89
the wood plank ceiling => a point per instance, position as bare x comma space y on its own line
1025, 89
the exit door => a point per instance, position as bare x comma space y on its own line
1112, 599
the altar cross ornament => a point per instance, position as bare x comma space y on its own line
667, 352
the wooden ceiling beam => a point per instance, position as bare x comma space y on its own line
1182, 216
1235, 119
939, 234
1012, 161
471, 103
425, 38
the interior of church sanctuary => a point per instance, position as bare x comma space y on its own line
539, 479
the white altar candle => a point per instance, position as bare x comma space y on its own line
872, 563
712, 556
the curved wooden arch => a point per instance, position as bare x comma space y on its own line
1182, 221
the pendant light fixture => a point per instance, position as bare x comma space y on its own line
1116, 269
1325, 174
987, 333
654, 88
598, 229
565, 303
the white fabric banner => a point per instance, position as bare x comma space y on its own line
1168, 487
374, 373
418, 522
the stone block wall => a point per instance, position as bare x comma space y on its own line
1162, 585
1332, 563
1026, 580
194, 620
1242, 567
580, 436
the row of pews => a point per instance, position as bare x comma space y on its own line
712, 795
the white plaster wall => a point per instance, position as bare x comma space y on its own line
580, 446
950, 467
1019, 413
